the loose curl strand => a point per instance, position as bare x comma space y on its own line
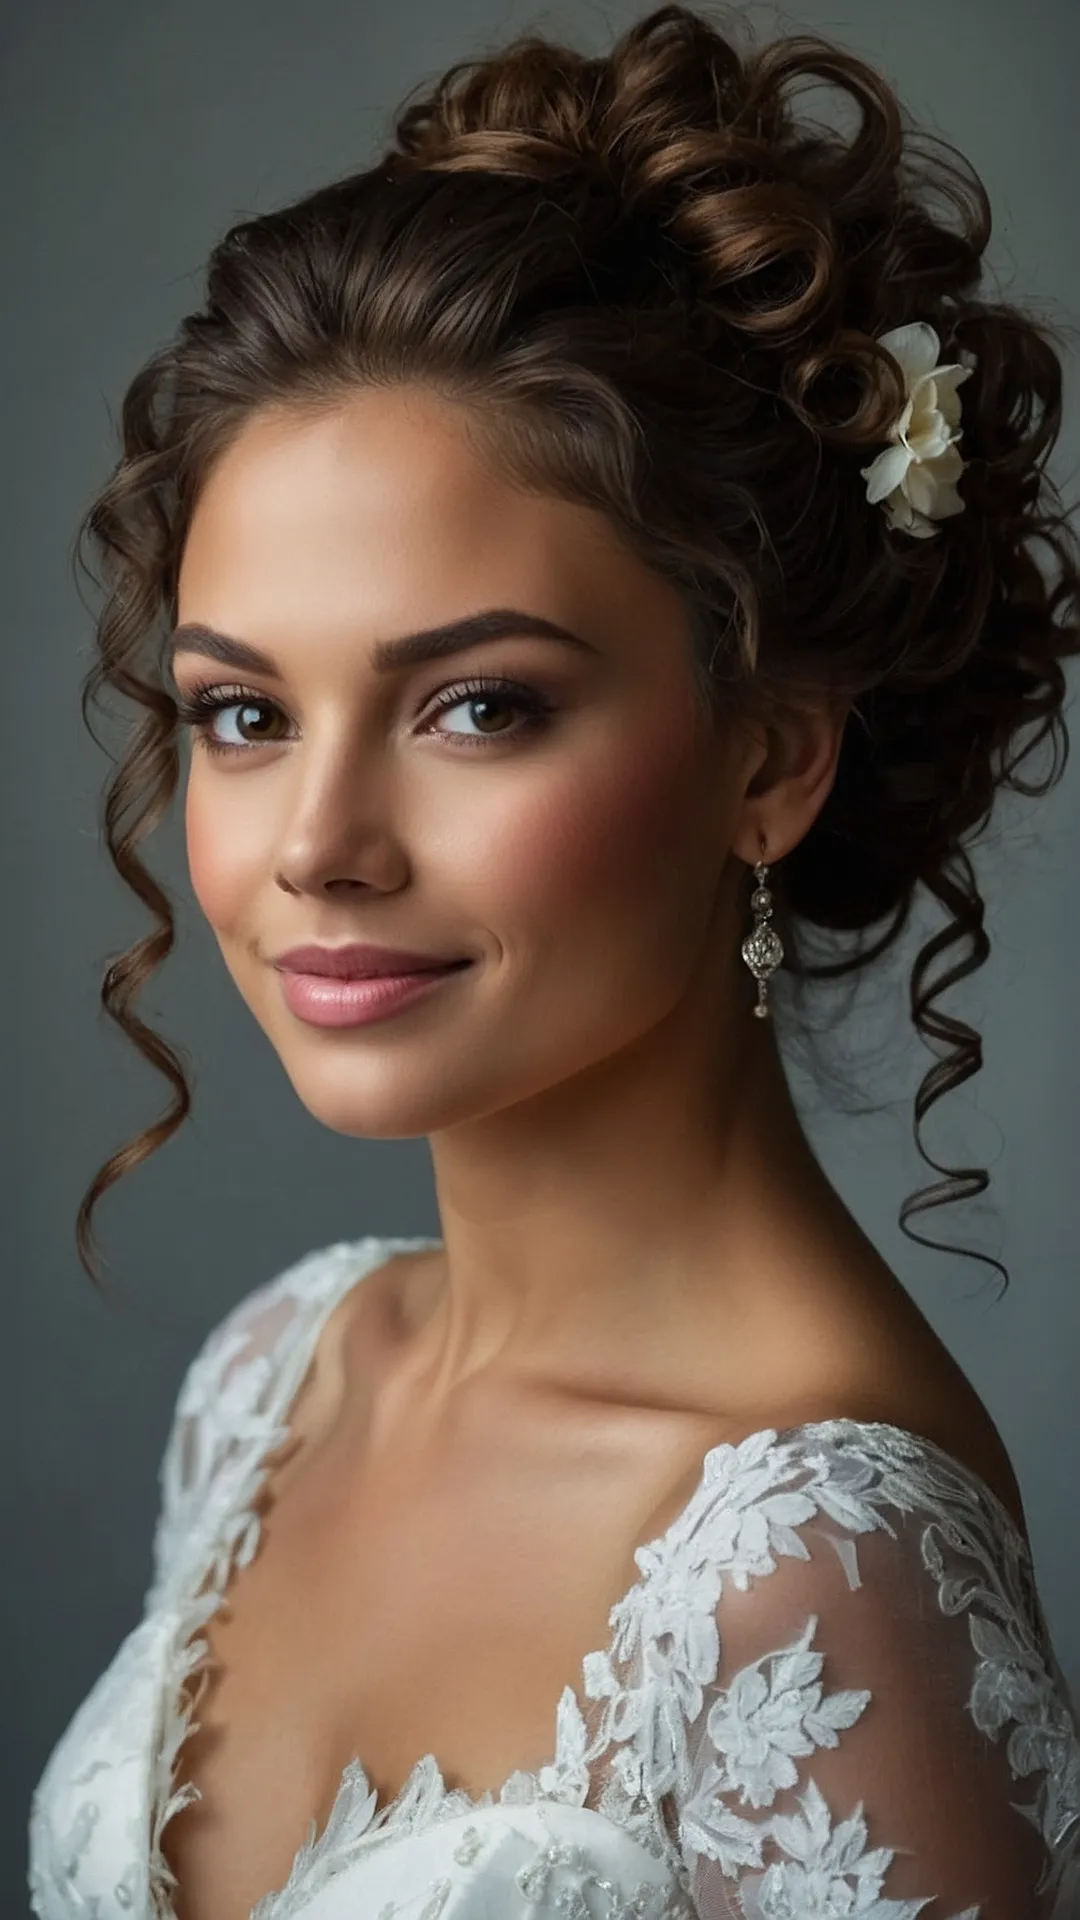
654, 287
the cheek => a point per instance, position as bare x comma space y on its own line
605, 843
224, 852
609, 841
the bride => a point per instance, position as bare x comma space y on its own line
595, 544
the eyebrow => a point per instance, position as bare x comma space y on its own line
388, 656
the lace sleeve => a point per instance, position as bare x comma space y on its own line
228, 1411
887, 1730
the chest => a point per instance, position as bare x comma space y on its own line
438, 1605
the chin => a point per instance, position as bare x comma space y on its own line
383, 1100
359, 1084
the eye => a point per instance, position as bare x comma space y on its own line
199, 708
486, 695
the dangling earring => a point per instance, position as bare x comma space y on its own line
762, 949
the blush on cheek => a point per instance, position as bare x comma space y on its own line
216, 861
612, 830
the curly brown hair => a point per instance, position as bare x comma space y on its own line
658, 290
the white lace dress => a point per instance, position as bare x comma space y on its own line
830, 1693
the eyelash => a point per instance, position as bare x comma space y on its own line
198, 708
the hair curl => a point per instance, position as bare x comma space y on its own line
657, 289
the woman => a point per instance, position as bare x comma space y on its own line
621, 487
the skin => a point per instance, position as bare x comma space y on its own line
641, 1253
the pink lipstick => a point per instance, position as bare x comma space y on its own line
350, 986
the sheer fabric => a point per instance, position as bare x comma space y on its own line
831, 1692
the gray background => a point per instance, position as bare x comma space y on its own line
132, 136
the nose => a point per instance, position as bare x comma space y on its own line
344, 881
338, 830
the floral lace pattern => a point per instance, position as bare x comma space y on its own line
744, 1514
691, 1760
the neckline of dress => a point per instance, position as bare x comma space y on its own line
374, 1252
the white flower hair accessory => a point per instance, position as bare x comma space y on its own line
915, 477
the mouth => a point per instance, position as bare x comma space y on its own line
370, 975
327, 1000
361, 963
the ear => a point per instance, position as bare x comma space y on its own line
790, 779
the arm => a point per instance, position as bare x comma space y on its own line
886, 1731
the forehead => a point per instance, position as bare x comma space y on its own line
385, 503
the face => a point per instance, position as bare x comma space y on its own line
567, 832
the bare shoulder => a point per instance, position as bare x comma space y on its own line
856, 1347
963, 1428
892, 1367
352, 1350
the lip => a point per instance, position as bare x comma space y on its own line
326, 1000
361, 961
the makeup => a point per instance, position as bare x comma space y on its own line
326, 1002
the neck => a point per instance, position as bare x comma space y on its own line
655, 1205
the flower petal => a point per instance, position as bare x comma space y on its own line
885, 473
947, 503
949, 465
928, 481
920, 488
915, 346
928, 436
948, 401
901, 514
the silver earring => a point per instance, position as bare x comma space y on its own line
762, 949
